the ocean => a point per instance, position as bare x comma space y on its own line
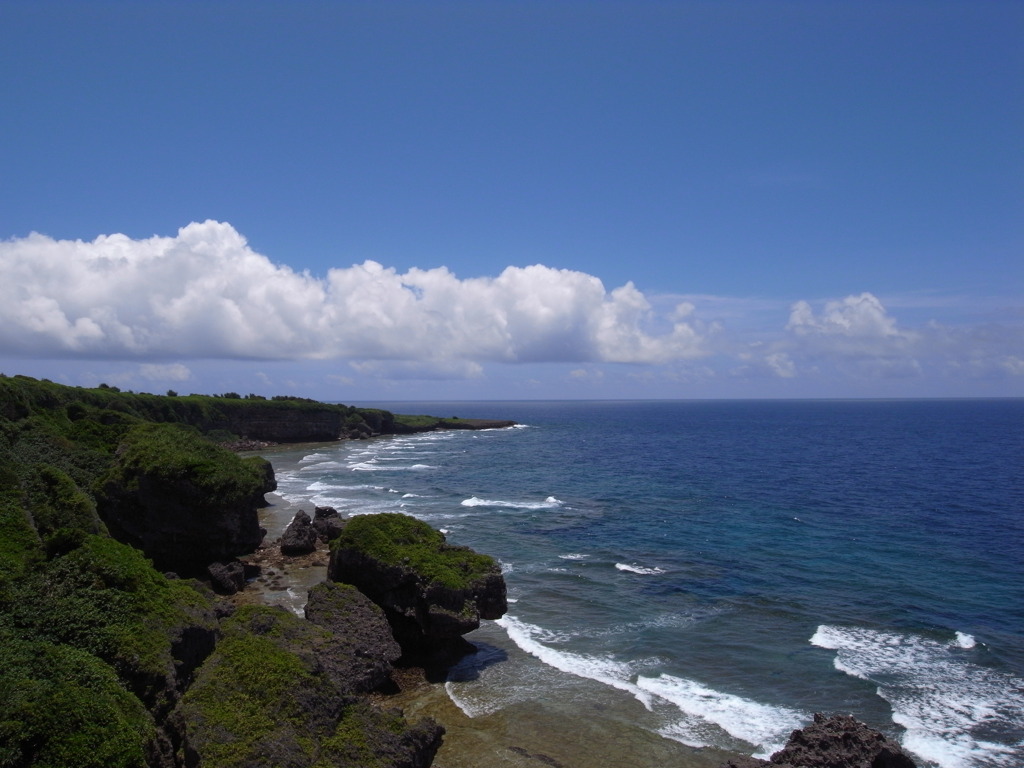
690, 579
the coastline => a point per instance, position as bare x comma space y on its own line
525, 734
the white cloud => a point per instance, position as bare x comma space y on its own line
860, 316
205, 293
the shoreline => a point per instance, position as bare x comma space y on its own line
525, 734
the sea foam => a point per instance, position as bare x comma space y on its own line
604, 670
639, 569
704, 710
956, 713
763, 725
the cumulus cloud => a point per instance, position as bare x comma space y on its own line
206, 294
860, 316
853, 327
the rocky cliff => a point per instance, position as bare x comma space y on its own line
180, 499
431, 592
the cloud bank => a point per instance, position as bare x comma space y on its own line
206, 295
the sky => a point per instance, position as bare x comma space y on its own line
358, 201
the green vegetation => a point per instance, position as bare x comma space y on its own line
96, 645
267, 697
244, 699
402, 540
64, 707
173, 455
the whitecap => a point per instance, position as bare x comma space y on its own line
642, 570
322, 465
957, 714
965, 641
314, 457
574, 556
763, 725
371, 466
549, 503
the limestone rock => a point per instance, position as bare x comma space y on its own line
183, 501
327, 522
227, 578
840, 741
299, 537
432, 592
366, 648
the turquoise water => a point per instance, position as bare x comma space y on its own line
716, 572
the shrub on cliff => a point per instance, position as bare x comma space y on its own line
64, 707
105, 598
268, 697
178, 456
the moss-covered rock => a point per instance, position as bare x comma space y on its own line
431, 592
182, 500
270, 696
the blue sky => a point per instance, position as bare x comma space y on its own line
422, 200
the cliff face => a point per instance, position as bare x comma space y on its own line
431, 592
276, 424
183, 501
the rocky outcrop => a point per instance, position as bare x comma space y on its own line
281, 691
327, 523
227, 578
299, 538
365, 648
183, 501
432, 592
840, 741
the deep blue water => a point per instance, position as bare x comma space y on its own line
734, 567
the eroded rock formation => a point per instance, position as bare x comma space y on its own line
840, 741
432, 592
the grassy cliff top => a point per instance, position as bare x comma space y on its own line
401, 540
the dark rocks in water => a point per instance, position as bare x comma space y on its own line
299, 537
432, 592
365, 648
840, 741
327, 522
227, 578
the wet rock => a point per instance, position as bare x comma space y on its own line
840, 741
